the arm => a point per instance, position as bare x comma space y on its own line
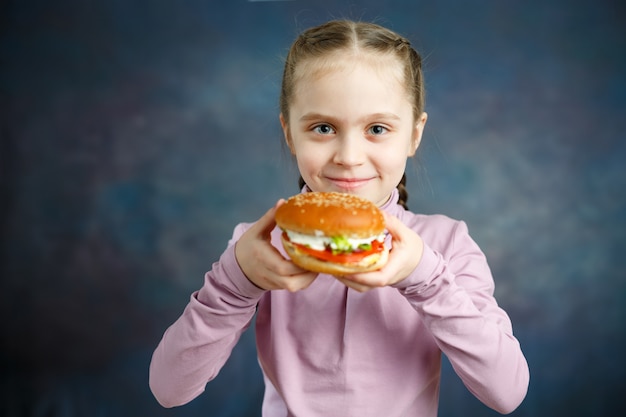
196, 346
453, 292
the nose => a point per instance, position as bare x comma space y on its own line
350, 150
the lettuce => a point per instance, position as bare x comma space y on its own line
341, 244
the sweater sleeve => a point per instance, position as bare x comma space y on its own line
195, 347
453, 292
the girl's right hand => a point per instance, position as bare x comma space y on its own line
263, 264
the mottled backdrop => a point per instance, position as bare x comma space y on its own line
136, 134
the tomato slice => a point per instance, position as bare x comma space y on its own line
342, 258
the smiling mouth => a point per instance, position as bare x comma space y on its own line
349, 183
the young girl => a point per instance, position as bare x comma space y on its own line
352, 112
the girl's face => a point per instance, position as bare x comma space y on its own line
352, 129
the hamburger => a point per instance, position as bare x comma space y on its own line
333, 233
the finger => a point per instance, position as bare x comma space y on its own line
299, 282
394, 226
353, 284
298, 279
284, 267
267, 223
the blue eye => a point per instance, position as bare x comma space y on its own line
323, 129
377, 130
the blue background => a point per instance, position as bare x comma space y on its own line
136, 134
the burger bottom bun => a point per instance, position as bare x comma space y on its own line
305, 261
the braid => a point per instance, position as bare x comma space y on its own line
402, 192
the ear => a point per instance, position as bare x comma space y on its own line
417, 133
286, 133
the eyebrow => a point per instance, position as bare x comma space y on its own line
317, 116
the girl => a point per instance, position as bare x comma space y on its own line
352, 112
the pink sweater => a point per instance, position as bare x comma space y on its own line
330, 351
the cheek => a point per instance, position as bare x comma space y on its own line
391, 158
309, 159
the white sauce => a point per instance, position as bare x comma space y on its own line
319, 241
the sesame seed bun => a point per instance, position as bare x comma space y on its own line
331, 215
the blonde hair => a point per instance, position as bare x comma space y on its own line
336, 36
340, 36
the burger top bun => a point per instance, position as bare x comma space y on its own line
332, 214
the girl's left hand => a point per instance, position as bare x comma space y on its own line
406, 252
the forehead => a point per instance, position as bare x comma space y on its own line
386, 66
350, 90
